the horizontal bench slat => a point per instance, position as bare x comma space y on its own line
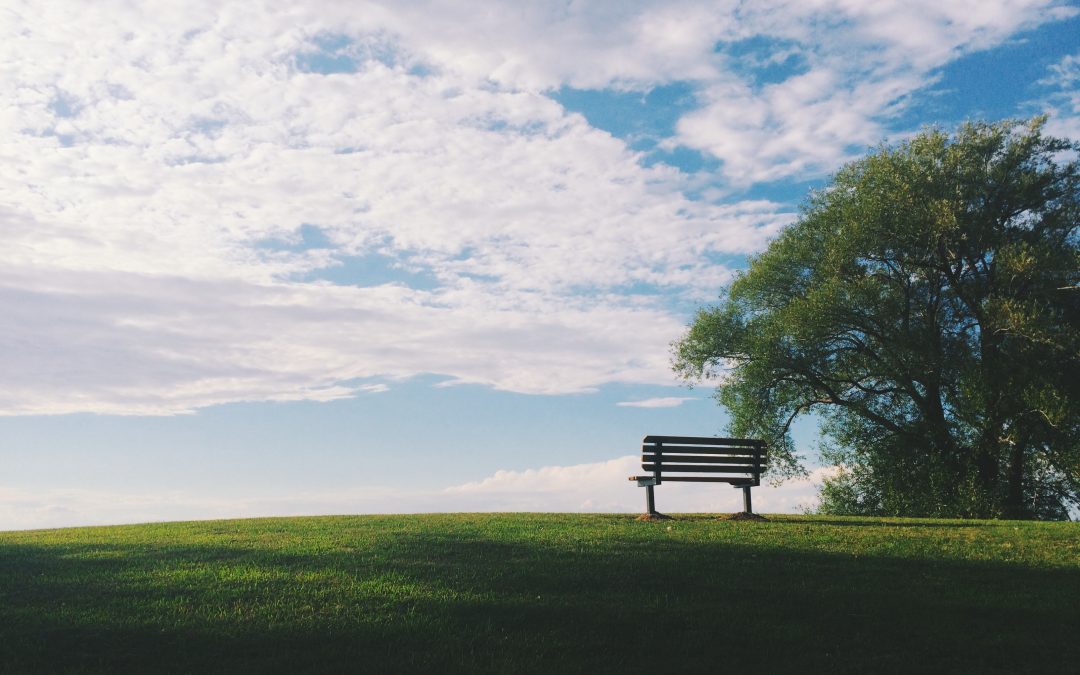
704, 440
674, 451
702, 468
704, 449
697, 468
699, 459
705, 479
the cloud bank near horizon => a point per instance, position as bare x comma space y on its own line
599, 487
203, 203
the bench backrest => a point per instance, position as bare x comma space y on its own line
703, 459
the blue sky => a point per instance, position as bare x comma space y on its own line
389, 257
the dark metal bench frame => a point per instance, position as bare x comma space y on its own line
738, 461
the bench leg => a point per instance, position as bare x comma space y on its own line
650, 507
746, 499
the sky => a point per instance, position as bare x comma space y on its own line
270, 258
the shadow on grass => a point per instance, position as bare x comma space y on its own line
424, 601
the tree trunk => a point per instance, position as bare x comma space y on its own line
986, 463
988, 448
1014, 496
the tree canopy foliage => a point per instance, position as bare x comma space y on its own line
926, 306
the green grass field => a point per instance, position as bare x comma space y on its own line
543, 592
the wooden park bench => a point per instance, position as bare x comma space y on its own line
737, 461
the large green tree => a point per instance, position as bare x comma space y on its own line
925, 306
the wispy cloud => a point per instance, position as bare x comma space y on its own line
1064, 74
662, 402
1062, 99
373, 388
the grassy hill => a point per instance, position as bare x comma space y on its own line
540, 592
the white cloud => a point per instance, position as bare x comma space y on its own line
605, 487
1064, 74
863, 62
141, 189
154, 153
662, 402
600, 487
1062, 101
141, 344
804, 126
373, 388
